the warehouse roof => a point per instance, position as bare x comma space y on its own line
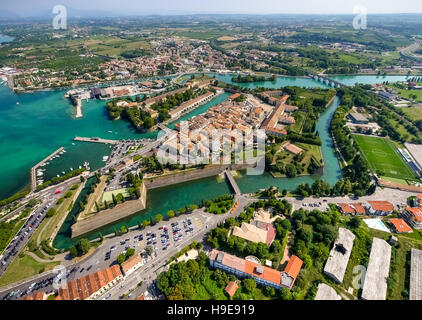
375, 284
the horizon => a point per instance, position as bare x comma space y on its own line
26, 8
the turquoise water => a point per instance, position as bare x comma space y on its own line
174, 197
33, 125
4, 38
281, 82
352, 80
42, 122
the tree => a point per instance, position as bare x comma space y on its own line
83, 246
149, 250
251, 248
262, 250
114, 199
97, 207
269, 291
321, 251
221, 278
50, 213
146, 223
130, 252
171, 214
73, 252
249, 285
354, 222
158, 218
121, 258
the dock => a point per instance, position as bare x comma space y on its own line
34, 169
96, 140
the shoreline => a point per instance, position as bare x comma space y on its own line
134, 81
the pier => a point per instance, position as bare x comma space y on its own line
34, 169
233, 183
96, 140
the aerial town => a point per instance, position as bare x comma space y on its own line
134, 149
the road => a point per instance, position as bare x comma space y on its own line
201, 221
48, 200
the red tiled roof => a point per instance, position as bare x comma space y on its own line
236, 95
231, 288
131, 262
359, 208
83, 288
383, 206
268, 274
400, 225
293, 266
345, 208
416, 213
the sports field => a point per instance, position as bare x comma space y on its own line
383, 158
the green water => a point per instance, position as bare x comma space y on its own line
159, 201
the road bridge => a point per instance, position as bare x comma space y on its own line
326, 80
233, 183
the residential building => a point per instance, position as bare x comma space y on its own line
92, 286
379, 208
262, 233
132, 264
261, 274
336, 264
400, 226
231, 288
413, 216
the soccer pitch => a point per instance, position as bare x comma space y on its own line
382, 156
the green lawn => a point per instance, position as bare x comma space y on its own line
383, 158
24, 267
414, 113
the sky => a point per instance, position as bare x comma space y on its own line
140, 7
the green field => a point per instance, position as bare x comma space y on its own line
414, 113
383, 158
108, 196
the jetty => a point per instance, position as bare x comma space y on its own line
34, 169
96, 140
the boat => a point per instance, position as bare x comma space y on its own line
58, 176
110, 131
63, 172
71, 169
80, 167
17, 102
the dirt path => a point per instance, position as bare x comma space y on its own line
286, 255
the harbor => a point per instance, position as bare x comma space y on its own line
34, 169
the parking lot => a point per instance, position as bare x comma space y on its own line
163, 238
